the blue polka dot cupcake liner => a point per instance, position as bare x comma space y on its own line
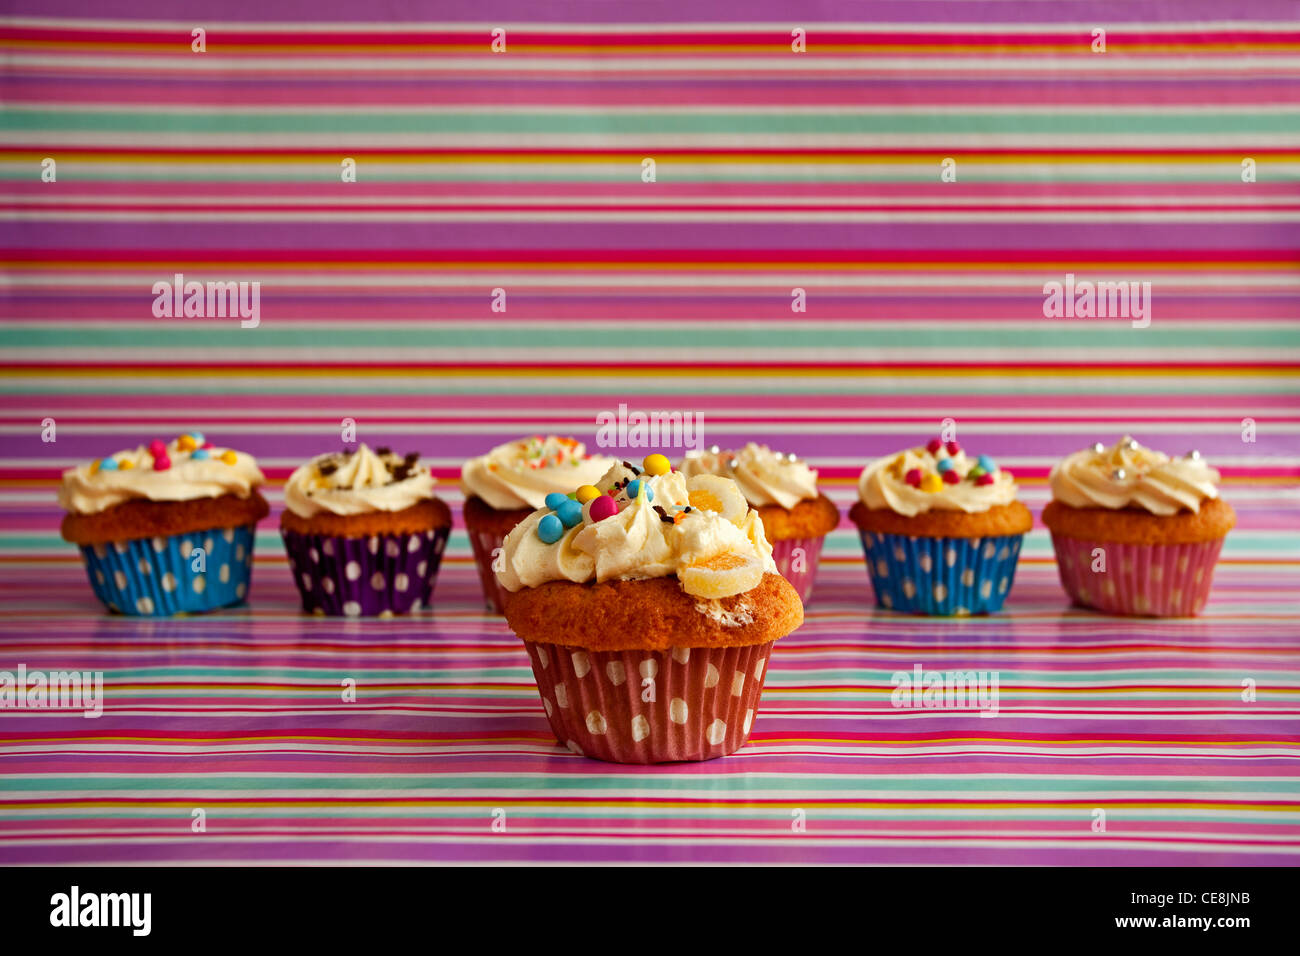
181, 574
941, 576
373, 576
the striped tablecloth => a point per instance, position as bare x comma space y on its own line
774, 170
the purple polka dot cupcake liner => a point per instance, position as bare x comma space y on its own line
941, 576
487, 547
181, 574
381, 574
642, 706
797, 559
1138, 580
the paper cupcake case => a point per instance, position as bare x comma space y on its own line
941, 576
156, 577
1167, 580
484, 544
784, 554
704, 700
365, 577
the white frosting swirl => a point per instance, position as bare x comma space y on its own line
360, 483
632, 544
764, 477
90, 489
1128, 474
520, 474
884, 484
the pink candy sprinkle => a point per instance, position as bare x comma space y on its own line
161, 463
984, 479
952, 447
934, 446
602, 508
157, 449
913, 477
951, 477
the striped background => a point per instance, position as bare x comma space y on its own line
775, 170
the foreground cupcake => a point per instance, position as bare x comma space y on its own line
941, 533
649, 604
508, 483
166, 528
364, 532
796, 517
1135, 531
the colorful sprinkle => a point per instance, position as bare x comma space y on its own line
913, 477
634, 490
126, 464
988, 464
588, 493
570, 513
944, 465
934, 446
555, 499
229, 457
186, 443
952, 447
657, 465
976, 472
157, 449
550, 529
198, 437
932, 483
108, 464
951, 477
200, 454
984, 480
161, 463
602, 508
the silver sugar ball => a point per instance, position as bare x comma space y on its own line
1119, 474
714, 449
1131, 444
1098, 447
1194, 455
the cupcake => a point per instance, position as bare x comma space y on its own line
648, 604
167, 528
1135, 531
364, 532
941, 533
784, 492
510, 482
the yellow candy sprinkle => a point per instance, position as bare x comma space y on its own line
932, 483
186, 443
94, 466
229, 457
656, 465
126, 464
588, 493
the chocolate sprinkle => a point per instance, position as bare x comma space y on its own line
328, 467
383, 451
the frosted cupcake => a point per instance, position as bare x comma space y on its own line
796, 517
649, 604
364, 532
512, 480
1135, 531
166, 528
941, 532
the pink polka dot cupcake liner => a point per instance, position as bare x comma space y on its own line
797, 559
1138, 580
486, 547
640, 706
372, 576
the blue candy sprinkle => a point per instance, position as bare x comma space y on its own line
570, 513
198, 437
555, 499
550, 529
108, 464
987, 464
199, 454
634, 490
944, 464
